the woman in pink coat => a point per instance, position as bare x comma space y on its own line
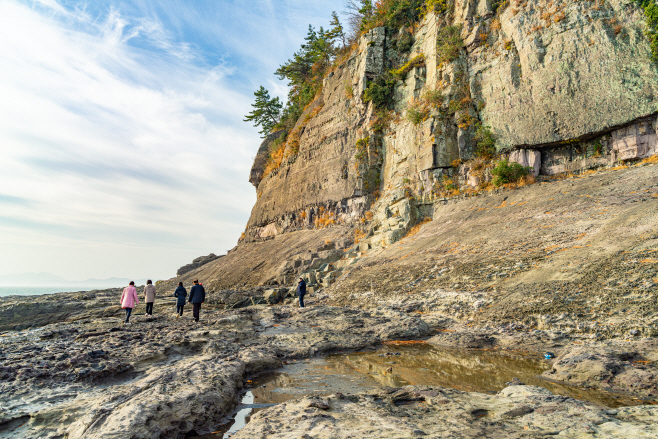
129, 300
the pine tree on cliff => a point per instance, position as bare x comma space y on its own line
336, 32
266, 113
299, 68
305, 72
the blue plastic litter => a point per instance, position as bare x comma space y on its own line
549, 355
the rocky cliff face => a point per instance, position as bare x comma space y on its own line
323, 181
561, 86
558, 71
260, 161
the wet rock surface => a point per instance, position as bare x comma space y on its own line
163, 376
617, 365
424, 411
612, 365
168, 377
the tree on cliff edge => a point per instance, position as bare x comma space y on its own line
336, 32
266, 112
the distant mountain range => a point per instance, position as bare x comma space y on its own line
50, 280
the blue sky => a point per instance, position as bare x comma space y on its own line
123, 150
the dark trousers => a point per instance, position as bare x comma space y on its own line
179, 309
301, 301
196, 307
128, 312
149, 308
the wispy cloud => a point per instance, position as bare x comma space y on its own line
123, 148
156, 34
109, 143
76, 13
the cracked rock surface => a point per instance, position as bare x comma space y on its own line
423, 411
165, 377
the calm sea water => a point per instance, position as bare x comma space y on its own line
33, 291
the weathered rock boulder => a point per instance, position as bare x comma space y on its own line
196, 263
274, 295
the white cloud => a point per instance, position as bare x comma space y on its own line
122, 146
76, 14
116, 161
157, 35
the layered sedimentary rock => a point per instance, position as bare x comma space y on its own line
561, 86
260, 161
322, 178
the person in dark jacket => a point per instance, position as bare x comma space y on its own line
181, 294
301, 290
197, 297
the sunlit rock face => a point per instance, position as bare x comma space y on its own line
562, 86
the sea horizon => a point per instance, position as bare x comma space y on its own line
40, 290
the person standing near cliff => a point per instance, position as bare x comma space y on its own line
129, 300
180, 294
149, 297
197, 297
301, 291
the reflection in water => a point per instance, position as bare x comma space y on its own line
468, 370
396, 366
242, 416
419, 364
246, 409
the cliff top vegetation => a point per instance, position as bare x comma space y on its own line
321, 51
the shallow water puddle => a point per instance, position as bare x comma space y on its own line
397, 366
468, 370
246, 408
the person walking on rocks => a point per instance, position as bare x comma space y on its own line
129, 300
149, 297
180, 293
301, 291
197, 297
